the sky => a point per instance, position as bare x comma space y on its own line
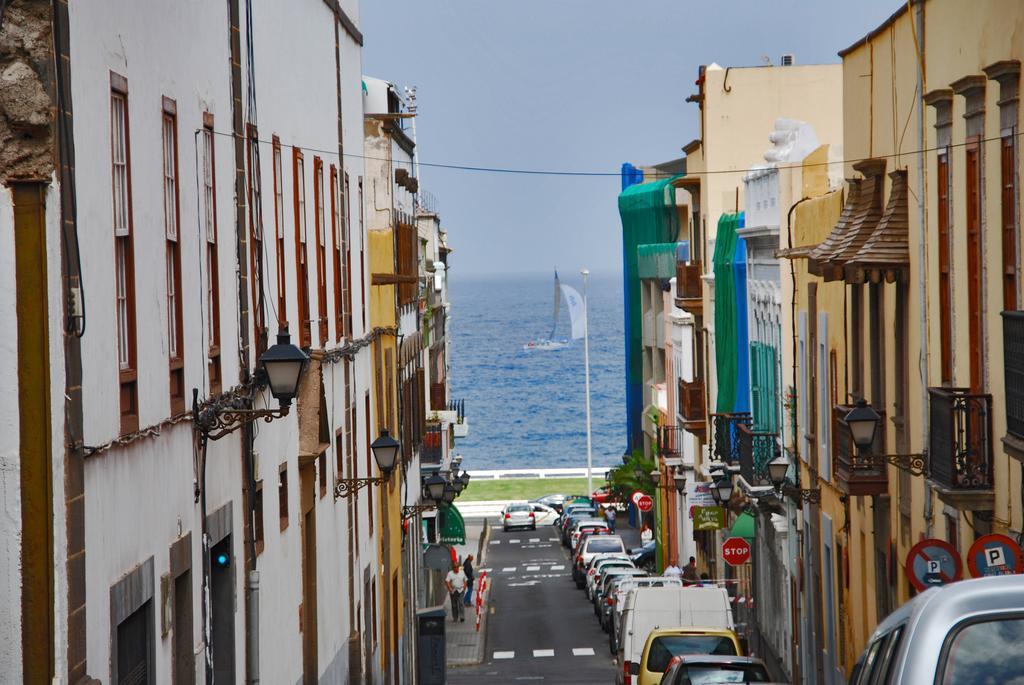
571, 85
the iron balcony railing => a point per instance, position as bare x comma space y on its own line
756, 449
725, 435
432, 448
459, 407
1013, 365
856, 474
960, 447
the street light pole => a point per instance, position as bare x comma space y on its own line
586, 375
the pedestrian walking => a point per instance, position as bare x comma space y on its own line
467, 569
609, 517
690, 576
646, 534
455, 581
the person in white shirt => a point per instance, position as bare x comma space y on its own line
673, 571
646, 535
455, 581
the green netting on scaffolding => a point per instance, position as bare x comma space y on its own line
726, 322
657, 260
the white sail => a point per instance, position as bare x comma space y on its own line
574, 303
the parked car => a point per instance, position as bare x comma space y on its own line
593, 572
572, 514
584, 526
649, 608
603, 579
518, 516
554, 501
699, 669
543, 515
663, 644
967, 633
618, 600
594, 544
643, 557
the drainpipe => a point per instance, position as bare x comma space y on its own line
922, 291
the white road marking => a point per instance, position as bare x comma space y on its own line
504, 655
495, 542
534, 540
526, 584
583, 651
513, 542
552, 539
543, 652
558, 567
533, 568
509, 569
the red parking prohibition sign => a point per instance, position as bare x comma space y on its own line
933, 562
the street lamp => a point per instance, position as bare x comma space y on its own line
656, 477
433, 488
863, 422
279, 368
679, 480
777, 470
449, 494
721, 490
465, 479
638, 472
385, 452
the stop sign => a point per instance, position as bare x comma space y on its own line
644, 503
736, 551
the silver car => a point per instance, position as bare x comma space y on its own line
518, 516
967, 633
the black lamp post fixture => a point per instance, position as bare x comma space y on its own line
863, 422
449, 494
679, 481
279, 368
465, 479
433, 488
385, 452
655, 477
721, 489
638, 473
777, 470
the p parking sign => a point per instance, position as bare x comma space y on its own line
994, 555
932, 562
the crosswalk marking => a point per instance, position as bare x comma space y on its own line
504, 655
513, 542
495, 542
552, 539
558, 567
509, 569
534, 540
583, 651
543, 652
533, 568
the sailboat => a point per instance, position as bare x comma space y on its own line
574, 303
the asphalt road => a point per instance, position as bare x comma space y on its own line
541, 628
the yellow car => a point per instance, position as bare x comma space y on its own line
664, 643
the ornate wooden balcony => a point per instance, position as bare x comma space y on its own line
960, 447
669, 441
756, 450
856, 474
689, 287
432, 448
692, 410
725, 436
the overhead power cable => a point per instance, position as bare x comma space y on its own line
557, 172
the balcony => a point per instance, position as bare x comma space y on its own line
756, 449
855, 474
725, 429
432, 449
960, 447
1013, 364
461, 426
691, 406
668, 442
689, 287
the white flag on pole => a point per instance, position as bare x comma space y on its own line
574, 303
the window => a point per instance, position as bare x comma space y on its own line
346, 237
282, 283
321, 249
282, 495
975, 265
362, 256
257, 514
124, 257
212, 271
984, 652
1008, 187
369, 466
256, 239
321, 465
945, 295
175, 342
337, 246
301, 254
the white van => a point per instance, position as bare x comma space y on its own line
649, 608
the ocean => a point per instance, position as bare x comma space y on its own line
526, 409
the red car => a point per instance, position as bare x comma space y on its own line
604, 496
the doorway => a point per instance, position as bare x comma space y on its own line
307, 502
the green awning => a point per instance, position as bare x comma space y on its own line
452, 529
658, 260
743, 527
